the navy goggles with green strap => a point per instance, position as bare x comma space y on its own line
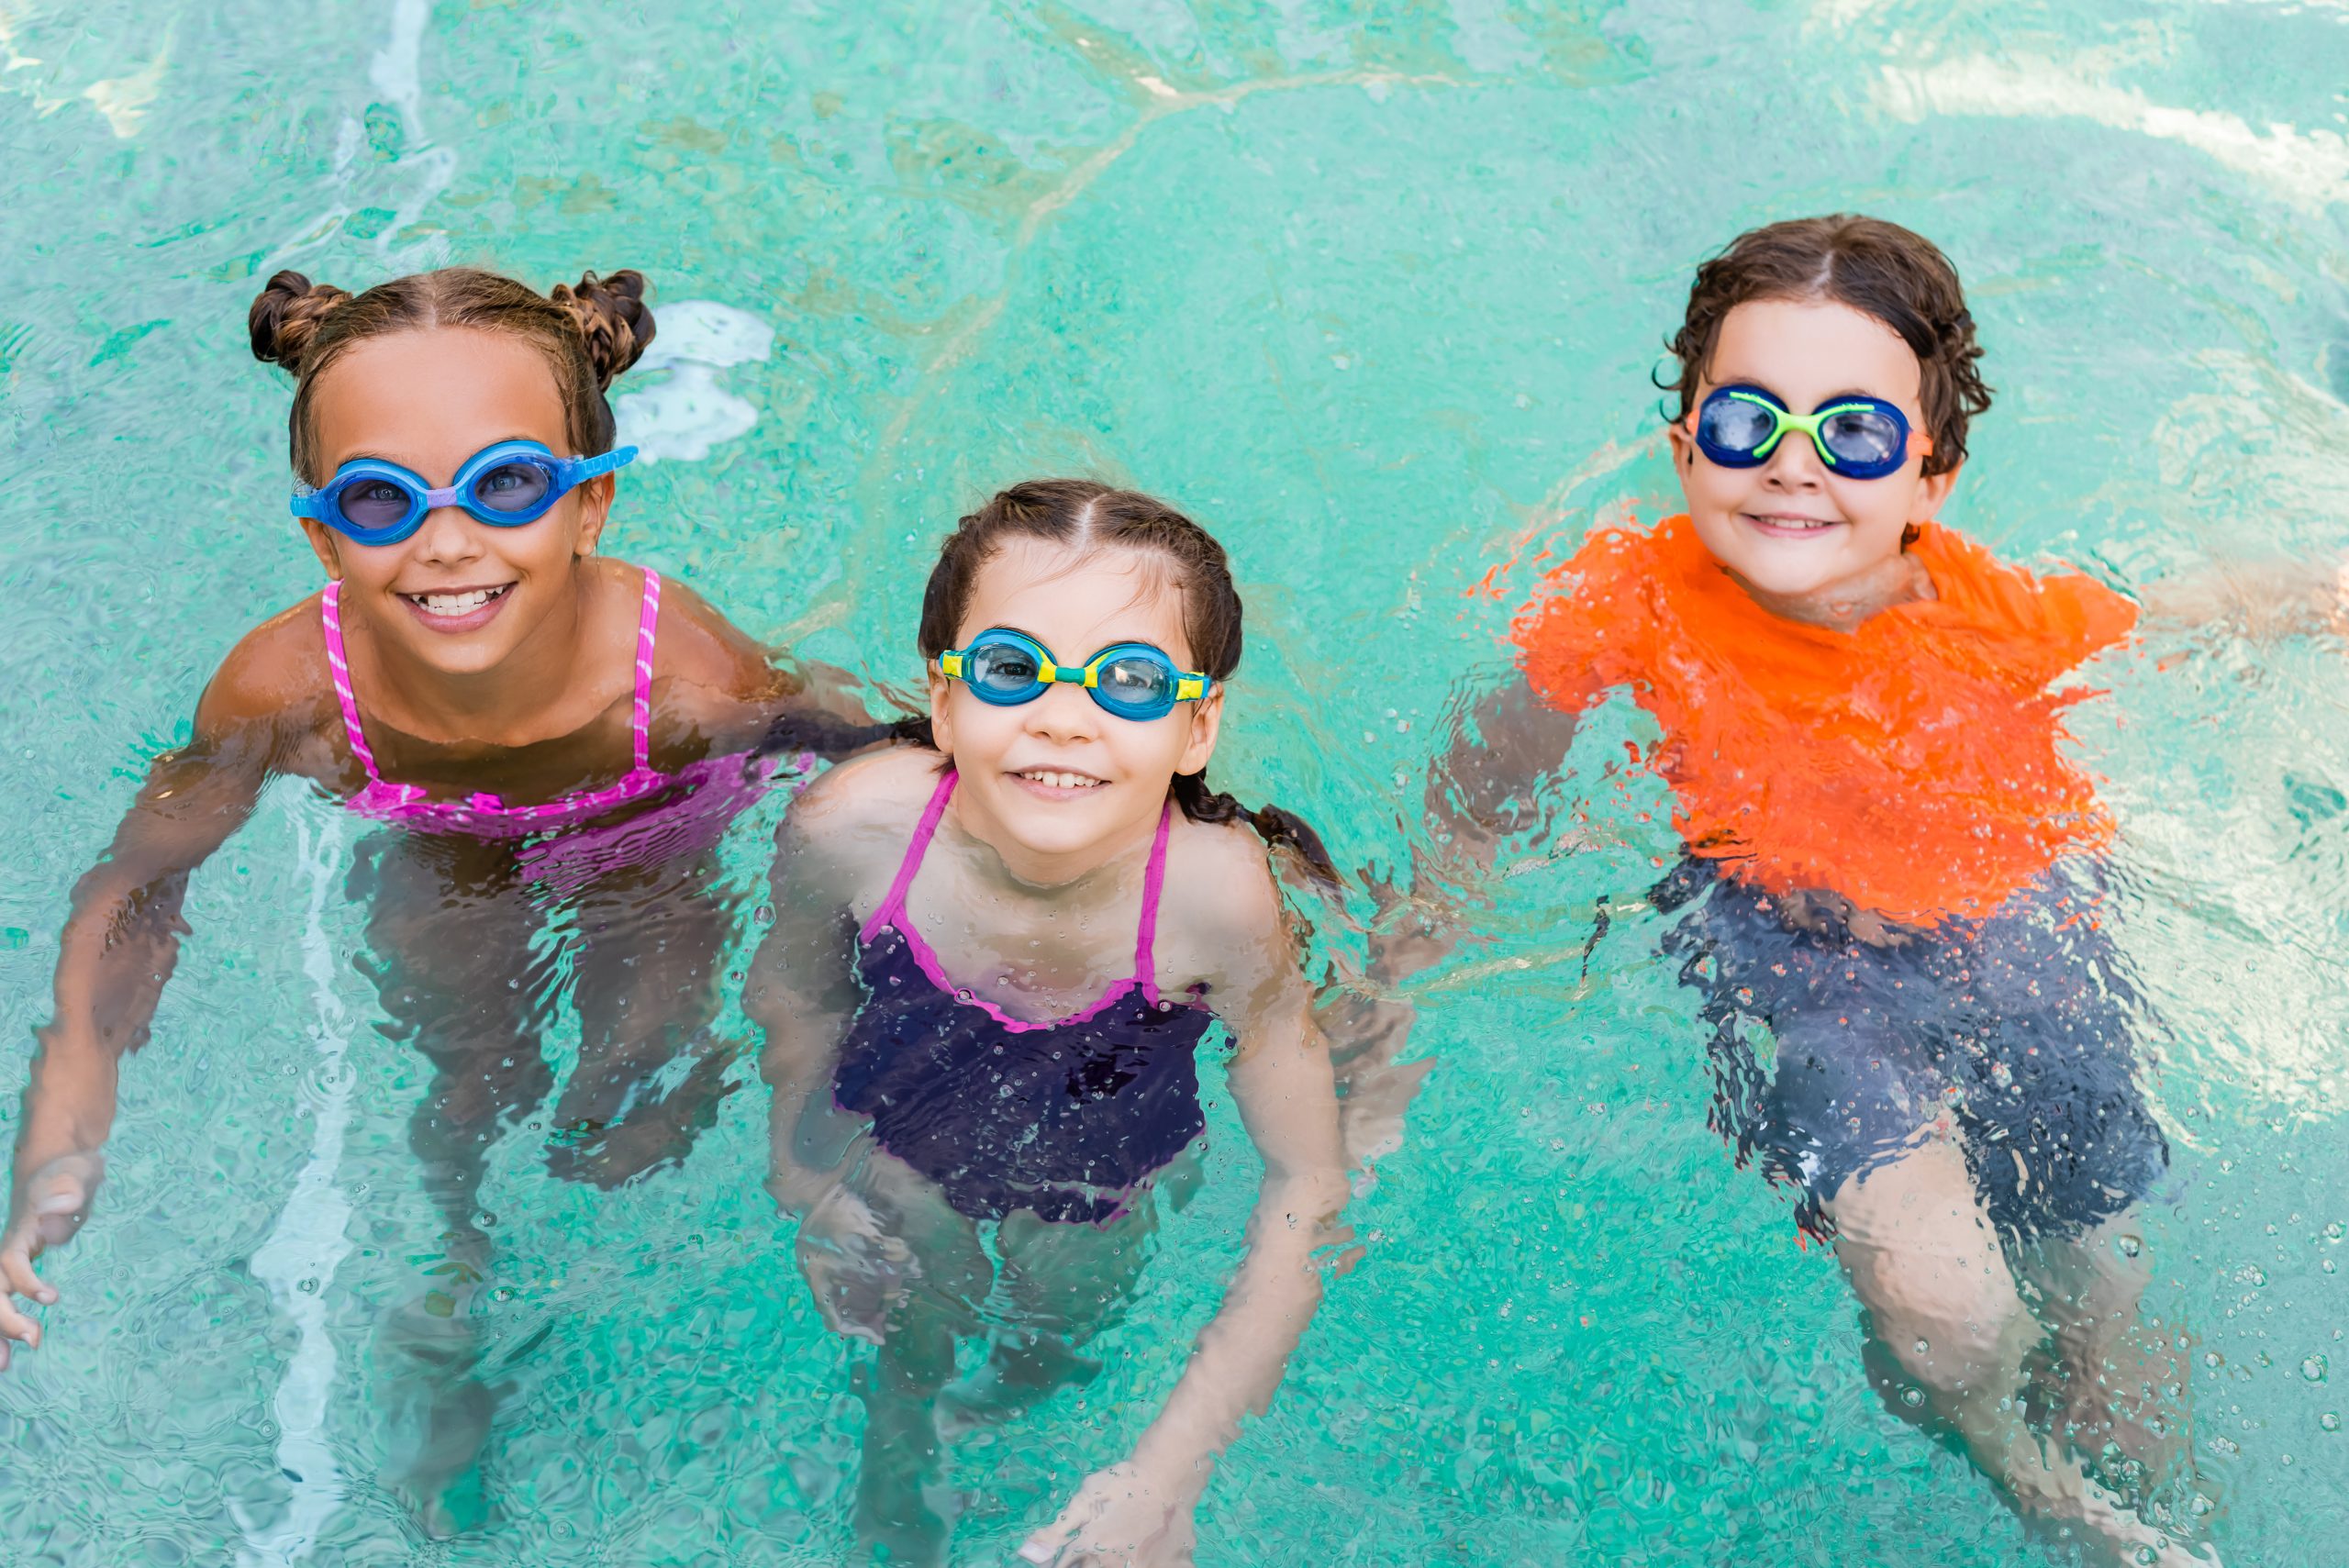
1131, 680
1857, 437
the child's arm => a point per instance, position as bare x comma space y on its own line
1139, 1511
2259, 599
802, 992
1480, 793
120, 944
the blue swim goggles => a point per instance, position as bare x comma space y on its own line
505, 485
1856, 438
1131, 679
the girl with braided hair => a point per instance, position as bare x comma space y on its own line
998, 950
552, 739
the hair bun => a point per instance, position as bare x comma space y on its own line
285, 316
613, 318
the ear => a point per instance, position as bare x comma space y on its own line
1207, 723
595, 507
1932, 491
324, 544
1684, 445
941, 710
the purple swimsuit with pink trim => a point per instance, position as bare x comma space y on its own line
567, 846
1066, 1117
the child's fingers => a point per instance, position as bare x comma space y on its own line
16, 1270
16, 1325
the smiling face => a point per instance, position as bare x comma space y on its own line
1792, 528
1057, 783
457, 595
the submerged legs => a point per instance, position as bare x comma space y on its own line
1924, 1260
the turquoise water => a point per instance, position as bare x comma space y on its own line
1374, 291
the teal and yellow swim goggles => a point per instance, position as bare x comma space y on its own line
1131, 679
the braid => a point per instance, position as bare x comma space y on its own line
1277, 826
612, 319
285, 315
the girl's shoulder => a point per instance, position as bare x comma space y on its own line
1218, 885
865, 804
695, 645
844, 836
275, 670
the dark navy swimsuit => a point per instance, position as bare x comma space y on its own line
1069, 1117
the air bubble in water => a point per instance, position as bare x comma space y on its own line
2314, 1368
2330, 1420
1924, 1345
1913, 1398
2128, 1246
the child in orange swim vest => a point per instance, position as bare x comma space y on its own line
1892, 869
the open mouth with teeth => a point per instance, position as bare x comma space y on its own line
459, 604
1788, 525
1059, 780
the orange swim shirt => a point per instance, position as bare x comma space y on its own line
1912, 765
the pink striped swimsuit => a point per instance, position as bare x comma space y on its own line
709, 792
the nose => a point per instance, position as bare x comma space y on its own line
1064, 713
1795, 465
448, 537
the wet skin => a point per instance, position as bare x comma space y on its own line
527, 694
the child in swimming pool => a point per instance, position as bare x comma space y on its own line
1892, 869
553, 738
982, 994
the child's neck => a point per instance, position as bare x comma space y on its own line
1842, 604
1098, 872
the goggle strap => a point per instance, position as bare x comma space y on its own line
596, 467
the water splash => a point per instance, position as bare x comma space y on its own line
687, 413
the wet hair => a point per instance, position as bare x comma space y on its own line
1876, 268
589, 335
1085, 515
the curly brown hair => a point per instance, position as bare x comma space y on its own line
1897, 276
589, 335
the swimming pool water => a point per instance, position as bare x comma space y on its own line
1374, 291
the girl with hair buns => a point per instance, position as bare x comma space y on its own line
553, 740
995, 958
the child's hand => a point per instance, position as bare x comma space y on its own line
51, 1202
857, 1269
1121, 1517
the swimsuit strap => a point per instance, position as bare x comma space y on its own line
1146, 934
640, 722
338, 669
893, 909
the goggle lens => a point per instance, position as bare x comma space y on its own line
1002, 670
372, 504
1862, 439
1735, 425
514, 486
1135, 684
